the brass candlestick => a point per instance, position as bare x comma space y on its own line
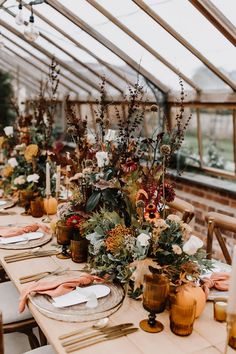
47, 219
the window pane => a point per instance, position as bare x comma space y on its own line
188, 155
217, 139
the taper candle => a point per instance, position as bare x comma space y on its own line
48, 182
231, 308
58, 179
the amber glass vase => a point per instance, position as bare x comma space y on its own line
79, 250
182, 316
155, 294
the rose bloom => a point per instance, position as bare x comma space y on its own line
8, 131
186, 229
13, 162
173, 217
33, 178
176, 249
19, 180
161, 224
143, 239
102, 158
192, 245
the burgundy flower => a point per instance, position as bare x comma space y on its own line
74, 221
169, 192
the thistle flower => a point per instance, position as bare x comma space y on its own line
165, 150
154, 108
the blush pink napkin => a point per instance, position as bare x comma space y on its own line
219, 281
9, 231
57, 287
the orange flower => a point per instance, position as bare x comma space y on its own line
114, 241
7, 171
2, 139
30, 152
151, 216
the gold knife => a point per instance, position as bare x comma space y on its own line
105, 337
97, 333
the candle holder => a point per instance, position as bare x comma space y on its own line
47, 219
231, 332
220, 306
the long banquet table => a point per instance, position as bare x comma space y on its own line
208, 336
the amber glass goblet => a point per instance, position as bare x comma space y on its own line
155, 294
64, 235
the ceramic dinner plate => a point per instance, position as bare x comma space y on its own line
81, 295
21, 238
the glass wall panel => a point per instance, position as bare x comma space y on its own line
188, 154
217, 139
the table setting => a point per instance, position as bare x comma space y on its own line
120, 242
24, 236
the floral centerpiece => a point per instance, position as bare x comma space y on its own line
121, 188
27, 145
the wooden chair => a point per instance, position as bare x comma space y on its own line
13, 321
185, 208
47, 349
216, 223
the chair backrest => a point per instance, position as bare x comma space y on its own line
185, 208
216, 223
1, 335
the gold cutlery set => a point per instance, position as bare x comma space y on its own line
95, 336
41, 275
28, 255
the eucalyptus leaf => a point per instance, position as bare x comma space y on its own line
93, 201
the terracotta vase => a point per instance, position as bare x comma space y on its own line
79, 250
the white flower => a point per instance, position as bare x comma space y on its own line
102, 158
173, 217
143, 239
176, 249
192, 245
19, 180
33, 178
13, 162
8, 131
161, 224
111, 135
186, 229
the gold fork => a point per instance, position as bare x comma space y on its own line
38, 276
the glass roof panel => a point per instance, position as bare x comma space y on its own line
191, 24
213, 45
124, 42
153, 34
228, 8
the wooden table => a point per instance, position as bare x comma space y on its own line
208, 336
